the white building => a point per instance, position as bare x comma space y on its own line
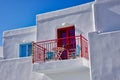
68, 30
1, 52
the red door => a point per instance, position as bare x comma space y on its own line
66, 38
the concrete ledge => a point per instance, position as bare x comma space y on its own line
54, 66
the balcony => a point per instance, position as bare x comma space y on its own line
60, 49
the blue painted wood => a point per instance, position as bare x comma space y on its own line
29, 49
50, 55
25, 50
78, 50
22, 50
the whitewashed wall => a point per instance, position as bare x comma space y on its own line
105, 55
62, 70
75, 74
1, 52
13, 38
104, 1
80, 16
107, 15
16, 69
39, 76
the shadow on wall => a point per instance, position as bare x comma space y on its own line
107, 16
39, 76
105, 55
1, 52
16, 69
1, 58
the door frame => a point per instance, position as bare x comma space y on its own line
65, 28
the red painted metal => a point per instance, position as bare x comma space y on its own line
43, 50
81, 44
38, 53
84, 47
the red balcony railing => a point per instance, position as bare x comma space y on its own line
38, 53
60, 49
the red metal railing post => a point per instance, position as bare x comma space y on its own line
41, 49
44, 56
84, 47
81, 44
32, 52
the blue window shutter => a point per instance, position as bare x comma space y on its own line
25, 50
29, 49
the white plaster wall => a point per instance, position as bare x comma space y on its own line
107, 15
103, 1
16, 69
74, 74
1, 51
64, 70
105, 55
80, 16
60, 64
39, 76
13, 38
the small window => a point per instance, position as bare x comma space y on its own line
25, 50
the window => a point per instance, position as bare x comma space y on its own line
25, 50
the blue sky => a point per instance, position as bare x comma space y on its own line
22, 13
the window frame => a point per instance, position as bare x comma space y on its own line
26, 54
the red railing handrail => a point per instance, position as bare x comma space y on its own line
57, 39
83, 37
39, 46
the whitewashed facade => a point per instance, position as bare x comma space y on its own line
98, 21
80, 16
13, 38
1, 52
105, 42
